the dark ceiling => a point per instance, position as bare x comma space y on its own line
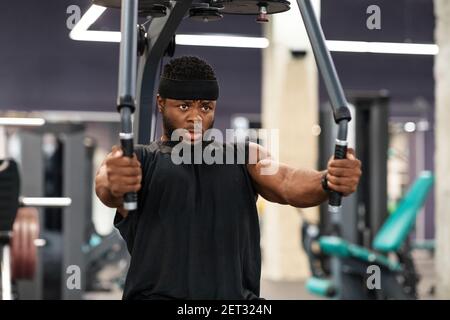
41, 68
407, 77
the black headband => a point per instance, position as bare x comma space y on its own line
188, 89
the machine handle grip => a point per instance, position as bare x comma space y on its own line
130, 198
335, 198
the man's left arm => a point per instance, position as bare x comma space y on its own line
302, 188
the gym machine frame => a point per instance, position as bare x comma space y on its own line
160, 33
31, 142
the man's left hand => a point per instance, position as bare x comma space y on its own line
343, 174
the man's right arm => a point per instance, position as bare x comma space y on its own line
116, 176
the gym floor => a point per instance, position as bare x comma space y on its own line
295, 290
271, 290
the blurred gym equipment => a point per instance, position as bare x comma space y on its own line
9, 195
398, 276
53, 229
19, 229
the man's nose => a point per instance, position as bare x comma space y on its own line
195, 115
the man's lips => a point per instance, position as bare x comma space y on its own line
195, 134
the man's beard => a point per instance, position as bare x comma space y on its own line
169, 127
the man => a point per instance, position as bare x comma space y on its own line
195, 234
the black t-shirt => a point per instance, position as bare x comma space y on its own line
195, 234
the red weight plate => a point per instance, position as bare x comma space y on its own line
23, 248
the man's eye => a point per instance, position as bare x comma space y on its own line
206, 107
183, 107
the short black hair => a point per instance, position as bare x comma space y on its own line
188, 68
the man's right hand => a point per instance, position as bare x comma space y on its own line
123, 174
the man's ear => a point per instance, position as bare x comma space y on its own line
160, 101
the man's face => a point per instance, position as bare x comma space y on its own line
187, 114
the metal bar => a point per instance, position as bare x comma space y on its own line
75, 166
6, 273
21, 122
323, 57
79, 116
128, 50
3, 143
341, 114
58, 202
127, 84
32, 184
338, 101
378, 146
160, 33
